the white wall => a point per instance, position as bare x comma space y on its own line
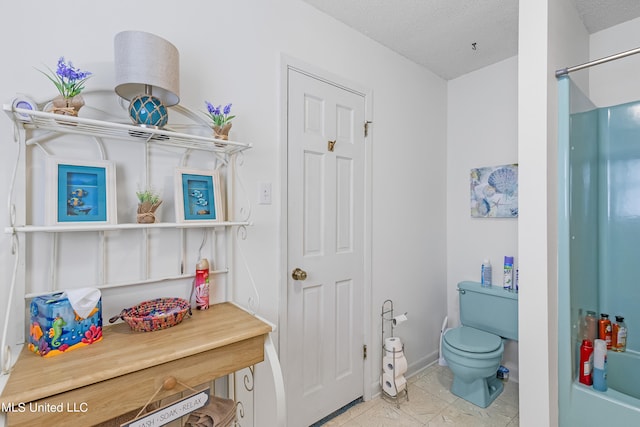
482, 130
231, 52
615, 82
551, 36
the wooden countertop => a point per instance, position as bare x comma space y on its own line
123, 351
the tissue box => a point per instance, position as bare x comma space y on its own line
56, 328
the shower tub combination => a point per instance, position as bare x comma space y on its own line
599, 258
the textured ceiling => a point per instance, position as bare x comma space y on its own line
440, 34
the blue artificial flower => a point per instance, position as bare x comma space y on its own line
219, 116
68, 80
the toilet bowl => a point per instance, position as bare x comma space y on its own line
474, 350
474, 357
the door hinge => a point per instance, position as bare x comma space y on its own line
364, 351
366, 128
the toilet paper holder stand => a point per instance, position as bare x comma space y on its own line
388, 317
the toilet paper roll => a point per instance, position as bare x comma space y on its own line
400, 363
399, 319
393, 386
391, 345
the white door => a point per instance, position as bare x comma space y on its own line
326, 177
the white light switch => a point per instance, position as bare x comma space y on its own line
264, 193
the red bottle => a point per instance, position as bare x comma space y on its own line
586, 362
202, 284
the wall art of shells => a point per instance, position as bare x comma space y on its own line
494, 192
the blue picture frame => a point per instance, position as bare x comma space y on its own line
83, 192
198, 196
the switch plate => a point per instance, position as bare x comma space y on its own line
264, 193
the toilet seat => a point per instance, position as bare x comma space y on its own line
471, 340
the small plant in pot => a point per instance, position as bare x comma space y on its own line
148, 202
69, 81
221, 118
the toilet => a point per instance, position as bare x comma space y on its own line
473, 351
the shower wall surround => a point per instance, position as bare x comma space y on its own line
605, 213
598, 265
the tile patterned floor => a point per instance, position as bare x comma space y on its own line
431, 404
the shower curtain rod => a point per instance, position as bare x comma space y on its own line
565, 71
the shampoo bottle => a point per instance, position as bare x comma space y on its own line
619, 335
508, 273
604, 329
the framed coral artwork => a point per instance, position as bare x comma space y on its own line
80, 192
494, 192
198, 196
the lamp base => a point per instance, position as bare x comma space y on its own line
148, 111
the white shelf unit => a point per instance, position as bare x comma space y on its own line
37, 128
57, 124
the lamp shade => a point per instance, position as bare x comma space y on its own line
142, 60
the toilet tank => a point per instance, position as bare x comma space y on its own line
492, 309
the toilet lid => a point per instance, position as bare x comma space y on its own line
472, 340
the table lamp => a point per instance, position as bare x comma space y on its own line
147, 75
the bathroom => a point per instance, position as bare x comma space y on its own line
433, 147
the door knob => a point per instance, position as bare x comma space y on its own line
298, 274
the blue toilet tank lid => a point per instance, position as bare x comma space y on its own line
472, 340
489, 290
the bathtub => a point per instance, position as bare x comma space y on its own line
621, 401
623, 373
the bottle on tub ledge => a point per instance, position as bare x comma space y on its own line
585, 367
600, 365
604, 329
507, 282
619, 335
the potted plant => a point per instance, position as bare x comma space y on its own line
221, 120
148, 202
70, 82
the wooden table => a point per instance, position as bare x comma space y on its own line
119, 374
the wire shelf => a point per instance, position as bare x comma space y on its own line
60, 124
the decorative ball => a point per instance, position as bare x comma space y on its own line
148, 110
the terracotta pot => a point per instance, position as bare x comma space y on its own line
67, 106
222, 132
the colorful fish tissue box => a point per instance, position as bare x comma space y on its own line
57, 328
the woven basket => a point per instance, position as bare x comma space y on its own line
153, 315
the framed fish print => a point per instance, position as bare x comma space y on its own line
198, 196
80, 192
